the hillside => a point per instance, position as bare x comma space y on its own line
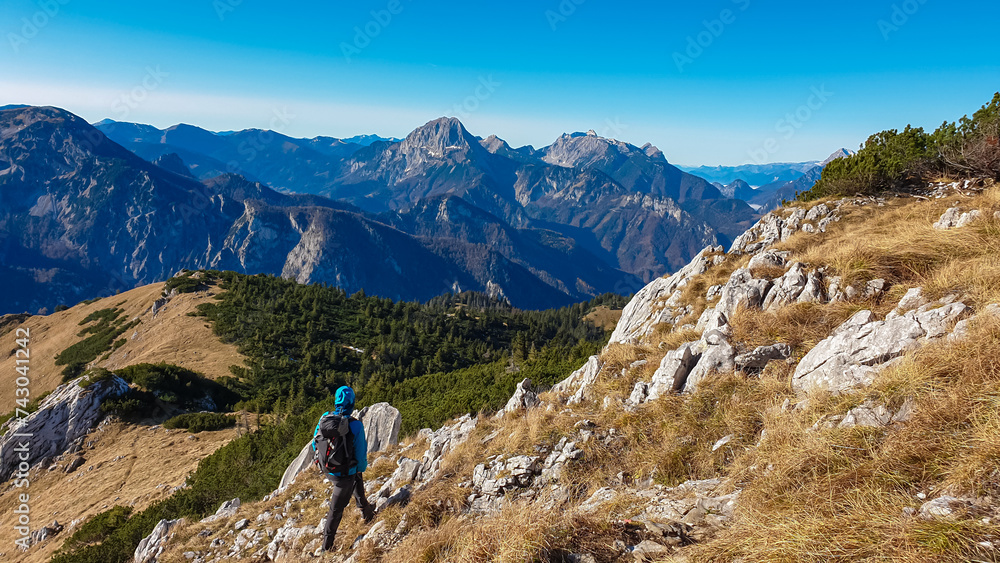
119, 462
169, 336
825, 389
820, 391
107, 439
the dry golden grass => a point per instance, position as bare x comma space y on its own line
604, 317
171, 337
119, 470
519, 532
899, 244
767, 272
671, 439
800, 325
839, 495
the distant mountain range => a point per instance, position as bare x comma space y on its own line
87, 210
754, 174
765, 186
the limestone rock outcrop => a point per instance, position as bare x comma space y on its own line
856, 350
524, 398
577, 385
150, 548
298, 465
382, 423
63, 417
645, 310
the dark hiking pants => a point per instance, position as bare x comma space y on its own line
343, 489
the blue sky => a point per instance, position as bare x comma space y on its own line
717, 82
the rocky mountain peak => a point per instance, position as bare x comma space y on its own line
837, 154
439, 138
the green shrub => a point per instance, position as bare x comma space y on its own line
98, 528
890, 160
177, 385
98, 338
895, 161
185, 283
200, 422
96, 375
133, 406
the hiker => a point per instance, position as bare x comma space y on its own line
340, 449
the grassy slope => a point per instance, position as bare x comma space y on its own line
831, 495
135, 478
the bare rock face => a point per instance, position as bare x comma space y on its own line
298, 465
778, 225
578, 384
955, 219
671, 374
786, 288
741, 290
441, 442
857, 349
756, 360
714, 355
150, 548
524, 397
288, 541
643, 311
382, 422
63, 417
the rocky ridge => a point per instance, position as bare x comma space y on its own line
666, 518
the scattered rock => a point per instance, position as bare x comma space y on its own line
649, 551
672, 373
914, 298
524, 397
579, 382
753, 362
945, 507
226, 510
953, 218
786, 288
723, 441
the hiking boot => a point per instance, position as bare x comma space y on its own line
368, 512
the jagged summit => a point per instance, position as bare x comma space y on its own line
440, 137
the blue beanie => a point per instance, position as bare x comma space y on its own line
345, 396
